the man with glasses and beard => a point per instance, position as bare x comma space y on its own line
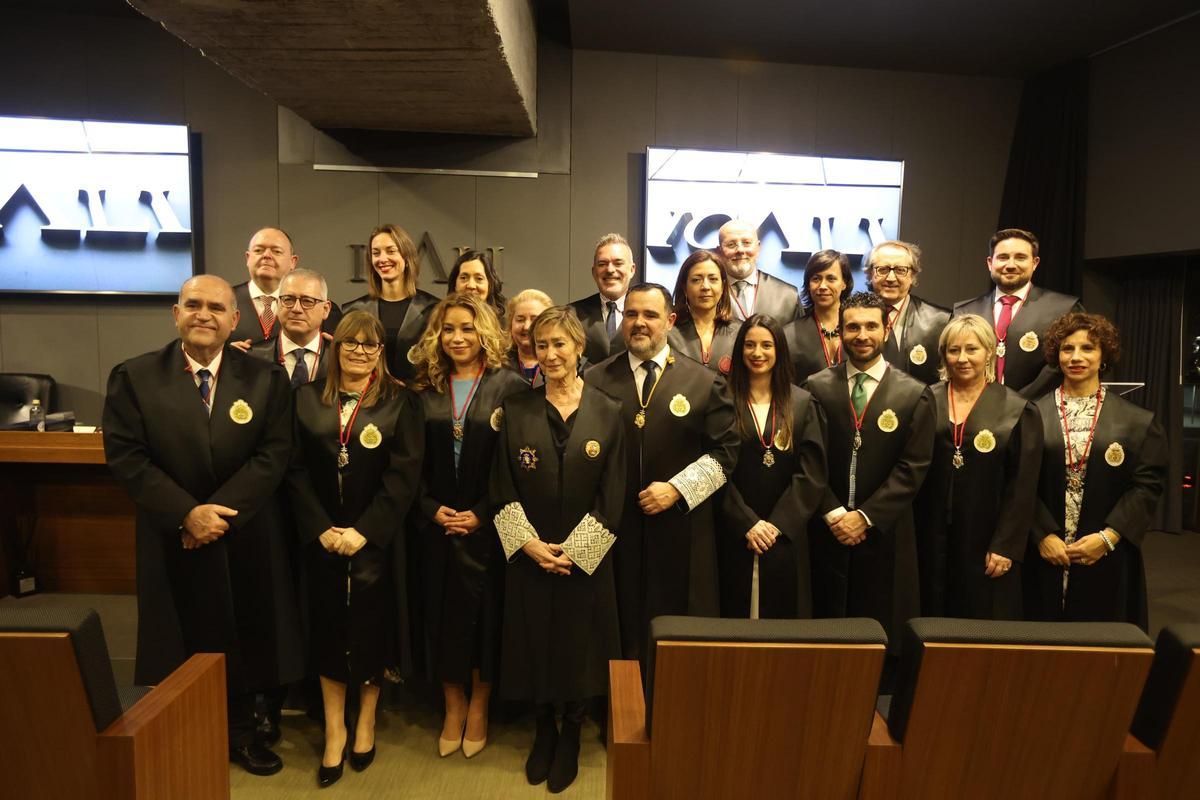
680, 447
914, 325
879, 444
754, 291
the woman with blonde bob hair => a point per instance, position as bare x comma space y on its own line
521, 312
461, 376
392, 295
977, 501
356, 459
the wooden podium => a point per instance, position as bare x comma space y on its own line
56, 488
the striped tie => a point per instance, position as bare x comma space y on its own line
268, 315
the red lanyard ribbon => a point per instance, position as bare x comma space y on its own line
344, 431
1072, 464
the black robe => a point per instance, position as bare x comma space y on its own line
804, 344
236, 595
249, 326
1122, 497
785, 494
1026, 371
666, 563
598, 345
984, 507
684, 339
400, 340
914, 346
560, 631
460, 579
878, 577
361, 628
269, 350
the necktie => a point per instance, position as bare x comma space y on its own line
742, 290
610, 324
1006, 314
268, 315
648, 384
893, 342
858, 395
300, 371
205, 384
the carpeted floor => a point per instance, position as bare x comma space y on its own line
407, 764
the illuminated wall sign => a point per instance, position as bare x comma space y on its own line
94, 207
801, 204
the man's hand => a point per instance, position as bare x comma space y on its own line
995, 566
549, 557
657, 498
761, 537
350, 542
1054, 550
206, 522
329, 539
850, 528
243, 345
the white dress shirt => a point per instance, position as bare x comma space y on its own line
1021, 294
213, 367
639, 372
257, 295
309, 352
875, 374
620, 301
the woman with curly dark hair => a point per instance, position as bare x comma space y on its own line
814, 339
1103, 471
462, 380
704, 325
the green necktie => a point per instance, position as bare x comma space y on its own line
858, 395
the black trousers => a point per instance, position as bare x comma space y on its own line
241, 719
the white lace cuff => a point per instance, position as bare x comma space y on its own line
698, 480
588, 543
514, 529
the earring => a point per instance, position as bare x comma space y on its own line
1103, 366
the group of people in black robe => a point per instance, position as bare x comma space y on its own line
486, 492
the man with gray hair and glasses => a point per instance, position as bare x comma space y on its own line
300, 346
893, 268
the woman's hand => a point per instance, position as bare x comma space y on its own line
330, 538
351, 542
995, 566
1054, 550
1088, 550
549, 557
444, 516
761, 537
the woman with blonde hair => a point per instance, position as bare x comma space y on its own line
392, 295
977, 502
355, 463
522, 310
462, 380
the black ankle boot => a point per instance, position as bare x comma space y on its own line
537, 767
566, 758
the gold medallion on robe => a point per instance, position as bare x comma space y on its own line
370, 438
888, 421
1029, 342
591, 449
1114, 456
985, 441
496, 419
240, 412
680, 406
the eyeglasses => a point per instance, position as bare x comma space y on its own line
731, 244
370, 348
306, 302
900, 272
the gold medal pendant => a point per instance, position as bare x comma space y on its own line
857, 440
957, 461
639, 419
343, 457
1000, 349
768, 458
458, 431
1074, 482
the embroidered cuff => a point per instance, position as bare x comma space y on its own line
698, 480
514, 529
588, 543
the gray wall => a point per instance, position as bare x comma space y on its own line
597, 113
1143, 133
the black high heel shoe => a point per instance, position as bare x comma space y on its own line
360, 761
328, 776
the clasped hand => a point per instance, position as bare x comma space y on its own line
456, 523
850, 528
342, 541
549, 557
1086, 550
761, 537
204, 524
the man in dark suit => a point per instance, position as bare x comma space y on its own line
1020, 313
613, 268
914, 325
754, 291
199, 434
880, 443
269, 258
299, 348
680, 447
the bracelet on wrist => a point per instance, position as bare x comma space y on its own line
1108, 542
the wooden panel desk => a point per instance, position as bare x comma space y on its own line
82, 521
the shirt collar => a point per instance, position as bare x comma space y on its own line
287, 345
1022, 293
620, 301
877, 371
751, 279
213, 366
659, 358
256, 292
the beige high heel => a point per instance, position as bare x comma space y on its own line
448, 746
471, 749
